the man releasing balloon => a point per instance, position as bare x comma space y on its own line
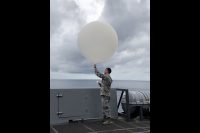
105, 93
98, 42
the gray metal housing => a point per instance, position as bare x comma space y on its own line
138, 97
78, 104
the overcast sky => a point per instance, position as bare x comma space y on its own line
130, 19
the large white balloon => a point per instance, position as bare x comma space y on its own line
97, 41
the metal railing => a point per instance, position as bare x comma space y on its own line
127, 107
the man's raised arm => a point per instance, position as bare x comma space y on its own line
97, 72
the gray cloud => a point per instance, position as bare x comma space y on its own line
131, 22
128, 17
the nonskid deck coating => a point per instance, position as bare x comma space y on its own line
95, 126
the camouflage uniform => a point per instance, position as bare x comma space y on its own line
105, 92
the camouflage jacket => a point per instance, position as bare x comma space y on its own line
105, 83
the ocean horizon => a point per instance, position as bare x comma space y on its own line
92, 83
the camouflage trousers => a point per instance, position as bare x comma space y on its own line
105, 100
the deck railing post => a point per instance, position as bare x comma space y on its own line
120, 99
127, 106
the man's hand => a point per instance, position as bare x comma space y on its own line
100, 75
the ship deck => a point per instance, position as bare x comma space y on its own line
119, 125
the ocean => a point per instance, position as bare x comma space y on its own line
90, 83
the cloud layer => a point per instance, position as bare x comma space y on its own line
130, 19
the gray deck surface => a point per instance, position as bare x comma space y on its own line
95, 126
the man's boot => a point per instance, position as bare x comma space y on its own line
108, 121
